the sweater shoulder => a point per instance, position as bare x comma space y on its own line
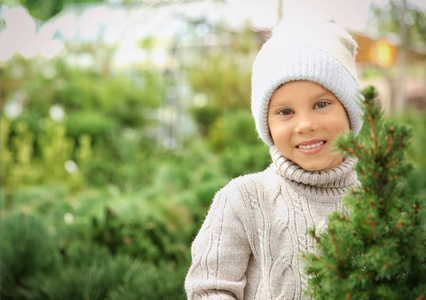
258, 185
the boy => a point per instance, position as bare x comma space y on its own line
304, 94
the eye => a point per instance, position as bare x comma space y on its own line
285, 112
321, 104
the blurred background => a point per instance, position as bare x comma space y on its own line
120, 120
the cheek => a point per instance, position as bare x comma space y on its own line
339, 125
273, 127
338, 120
280, 134
346, 124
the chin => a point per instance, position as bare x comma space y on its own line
317, 167
313, 168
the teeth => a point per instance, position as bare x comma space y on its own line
311, 146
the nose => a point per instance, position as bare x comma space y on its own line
306, 123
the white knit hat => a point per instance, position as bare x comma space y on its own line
322, 52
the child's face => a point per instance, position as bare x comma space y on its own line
304, 119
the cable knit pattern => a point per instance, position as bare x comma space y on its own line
250, 243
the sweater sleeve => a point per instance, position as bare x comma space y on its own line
220, 254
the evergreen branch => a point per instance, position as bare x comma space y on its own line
361, 276
416, 210
390, 143
387, 264
348, 252
376, 175
342, 218
393, 163
336, 252
421, 296
358, 148
373, 135
317, 238
348, 295
393, 177
373, 225
336, 248
398, 226
361, 147
352, 152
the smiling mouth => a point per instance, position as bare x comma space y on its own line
312, 146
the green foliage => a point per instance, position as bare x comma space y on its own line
415, 154
96, 114
151, 226
226, 83
231, 128
146, 281
45, 9
113, 164
221, 108
148, 238
96, 125
225, 80
89, 271
90, 274
205, 116
17, 155
55, 150
378, 251
27, 251
36, 266
27, 161
234, 138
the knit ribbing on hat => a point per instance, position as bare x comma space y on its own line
329, 61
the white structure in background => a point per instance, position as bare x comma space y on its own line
21, 35
125, 25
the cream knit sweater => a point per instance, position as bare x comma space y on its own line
250, 243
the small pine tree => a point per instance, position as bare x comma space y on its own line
377, 249
27, 251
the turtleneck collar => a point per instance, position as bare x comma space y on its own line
342, 176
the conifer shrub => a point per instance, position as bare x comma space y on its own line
35, 265
415, 150
377, 249
88, 271
233, 138
148, 239
27, 251
147, 281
